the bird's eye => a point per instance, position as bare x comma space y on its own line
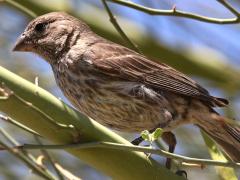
40, 27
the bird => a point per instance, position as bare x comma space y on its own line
122, 89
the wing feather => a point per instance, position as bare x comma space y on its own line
124, 63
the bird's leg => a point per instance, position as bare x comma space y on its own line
170, 139
137, 141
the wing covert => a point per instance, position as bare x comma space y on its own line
126, 64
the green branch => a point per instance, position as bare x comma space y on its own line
180, 158
26, 158
216, 154
115, 163
15, 123
49, 159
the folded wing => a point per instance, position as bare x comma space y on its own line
124, 63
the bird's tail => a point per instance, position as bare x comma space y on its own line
222, 132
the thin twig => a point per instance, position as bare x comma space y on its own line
44, 152
7, 92
118, 28
229, 7
178, 13
41, 171
43, 114
9, 138
66, 173
49, 158
124, 147
17, 124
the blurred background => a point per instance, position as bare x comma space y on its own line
209, 53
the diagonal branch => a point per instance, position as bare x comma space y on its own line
229, 7
178, 13
15, 123
118, 28
31, 115
49, 158
25, 157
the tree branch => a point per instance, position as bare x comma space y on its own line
180, 158
179, 13
49, 158
229, 7
118, 28
15, 123
26, 158
117, 163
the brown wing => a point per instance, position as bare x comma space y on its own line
126, 64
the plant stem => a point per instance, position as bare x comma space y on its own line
182, 159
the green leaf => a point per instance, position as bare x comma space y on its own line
223, 172
146, 135
156, 134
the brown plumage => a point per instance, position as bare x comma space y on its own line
121, 88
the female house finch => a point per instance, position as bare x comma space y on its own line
120, 88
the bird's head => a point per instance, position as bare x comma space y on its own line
50, 35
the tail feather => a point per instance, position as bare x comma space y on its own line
219, 102
224, 134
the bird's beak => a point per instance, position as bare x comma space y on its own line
21, 44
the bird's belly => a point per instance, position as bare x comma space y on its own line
118, 113
111, 109
123, 115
